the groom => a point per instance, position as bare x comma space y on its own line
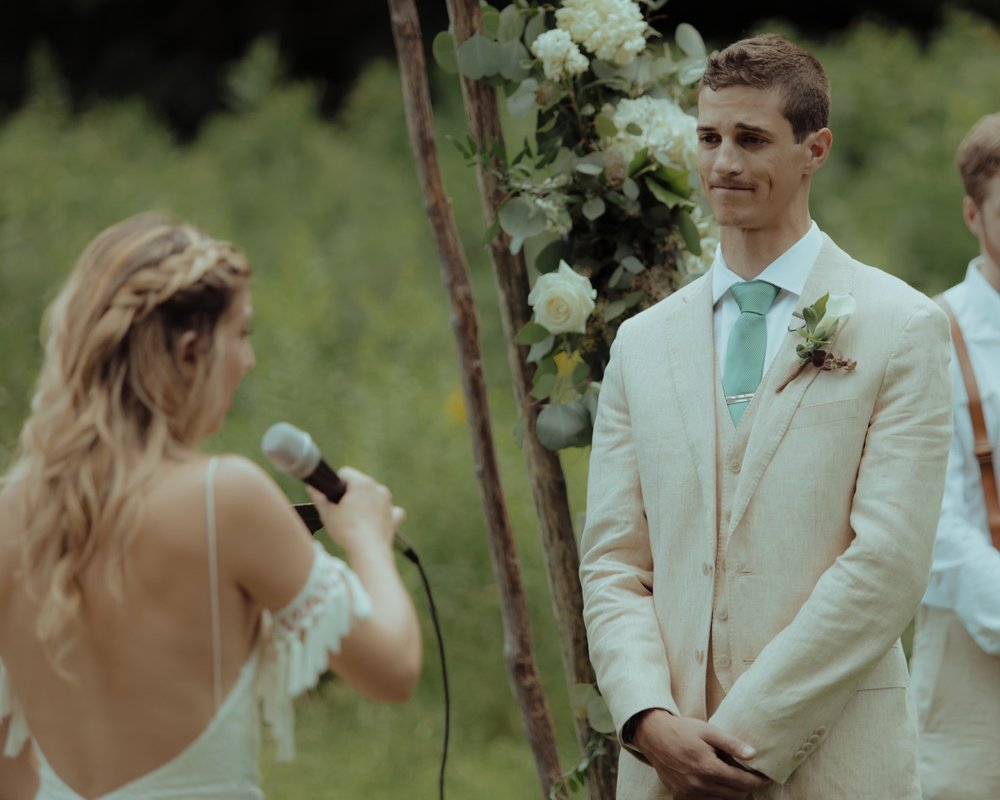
753, 552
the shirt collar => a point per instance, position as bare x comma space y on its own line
981, 298
788, 271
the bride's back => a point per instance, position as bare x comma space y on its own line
136, 686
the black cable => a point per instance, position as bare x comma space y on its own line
444, 668
310, 516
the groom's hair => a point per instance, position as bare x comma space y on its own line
978, 156
771, 61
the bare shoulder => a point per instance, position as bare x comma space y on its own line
268, 545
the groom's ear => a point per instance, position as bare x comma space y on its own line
818, 144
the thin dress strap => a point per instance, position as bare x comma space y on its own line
213, 580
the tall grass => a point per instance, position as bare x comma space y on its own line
353, 340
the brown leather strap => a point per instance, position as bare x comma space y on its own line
983, 450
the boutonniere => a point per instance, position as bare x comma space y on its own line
822, 323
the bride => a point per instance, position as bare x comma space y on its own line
155, 601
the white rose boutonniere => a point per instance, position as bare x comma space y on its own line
822, 323
562, 300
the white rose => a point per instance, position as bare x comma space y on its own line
562, 300
838, 307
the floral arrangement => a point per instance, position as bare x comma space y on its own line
603, 192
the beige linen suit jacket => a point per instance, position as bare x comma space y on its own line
824, 556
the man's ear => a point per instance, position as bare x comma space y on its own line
819, 144
971, 215
185, 356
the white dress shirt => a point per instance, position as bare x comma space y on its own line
965, 576
788, 272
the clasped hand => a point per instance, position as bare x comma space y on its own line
696, 760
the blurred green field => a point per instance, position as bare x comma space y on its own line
353, 339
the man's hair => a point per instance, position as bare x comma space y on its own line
978, 156
771, 61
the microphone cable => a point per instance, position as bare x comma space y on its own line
310, 516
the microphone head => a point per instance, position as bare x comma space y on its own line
291, 450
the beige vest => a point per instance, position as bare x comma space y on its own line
731, 444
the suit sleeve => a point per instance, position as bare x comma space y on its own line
792, 694
616, 567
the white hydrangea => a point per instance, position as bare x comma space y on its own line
613, 30
559, 54
664, 129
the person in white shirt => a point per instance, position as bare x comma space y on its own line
956, 651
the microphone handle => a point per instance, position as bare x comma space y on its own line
325, 480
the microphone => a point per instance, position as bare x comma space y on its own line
293, 451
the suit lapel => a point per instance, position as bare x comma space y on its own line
831, 273
690, 347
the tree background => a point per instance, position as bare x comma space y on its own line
282, 129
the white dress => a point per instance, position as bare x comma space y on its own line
221, 763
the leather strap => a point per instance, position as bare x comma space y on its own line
983, 450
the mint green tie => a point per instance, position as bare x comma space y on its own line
747, 344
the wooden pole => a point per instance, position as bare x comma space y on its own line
518, 652
547, 477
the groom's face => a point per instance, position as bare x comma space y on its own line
753, 171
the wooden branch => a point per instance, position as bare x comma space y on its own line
518, 652
548, 480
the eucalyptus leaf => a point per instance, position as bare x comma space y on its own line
491, 19
443, 49
634, 128
593, 208
689, 40
633, 264
522, 101
531, 332
589, 168
613, 310
540, 349
478, 57
520, 218
599, 716
604, 125
616, 277
689, 231
513, 57
630, 189
511, 24
534, 28
580, 695
562, 425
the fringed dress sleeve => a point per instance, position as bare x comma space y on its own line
297, 639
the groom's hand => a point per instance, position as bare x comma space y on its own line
688, 755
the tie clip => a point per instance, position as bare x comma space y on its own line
739, 398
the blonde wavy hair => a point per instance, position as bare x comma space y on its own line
114, 400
